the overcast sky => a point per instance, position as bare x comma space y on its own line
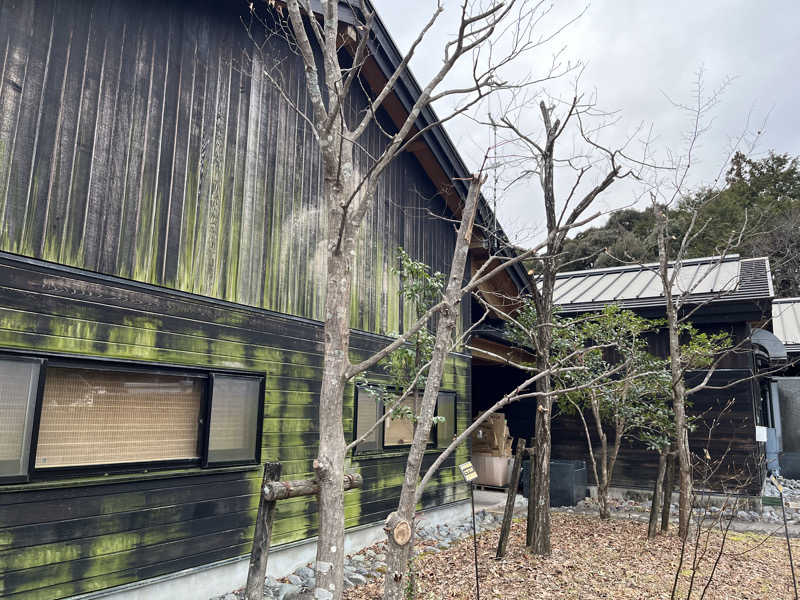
635, 54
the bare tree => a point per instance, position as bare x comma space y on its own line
665, 194
564, 206
335, 58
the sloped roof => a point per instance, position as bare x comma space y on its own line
407, 90
786, 322
713, 279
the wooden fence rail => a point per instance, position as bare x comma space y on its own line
273, 490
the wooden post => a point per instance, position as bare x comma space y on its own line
531, 504
260, 553
273, 490
513, 486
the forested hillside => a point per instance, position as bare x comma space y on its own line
761, 197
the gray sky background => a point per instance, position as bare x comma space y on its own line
634, 53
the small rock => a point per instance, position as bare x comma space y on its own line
357, 579
288, 591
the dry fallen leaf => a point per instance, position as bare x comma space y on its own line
594, 559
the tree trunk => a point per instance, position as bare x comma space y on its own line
602, 485
329, 465
602, 498
681, 434
678, 386
669, 485
658, 492
395, 581
538, 534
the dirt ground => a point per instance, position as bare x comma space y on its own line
605, 559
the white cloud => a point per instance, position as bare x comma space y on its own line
635, 52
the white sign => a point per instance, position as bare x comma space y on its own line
761, 433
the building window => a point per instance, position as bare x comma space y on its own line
397, 430
19, 380
232, 435
111, 416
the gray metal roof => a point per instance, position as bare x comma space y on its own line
786, 322
714, 279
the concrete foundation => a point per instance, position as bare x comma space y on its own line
226, 576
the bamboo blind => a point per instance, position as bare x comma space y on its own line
399, 431
234, 410
95, 417
18, 381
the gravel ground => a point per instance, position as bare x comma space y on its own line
370, 564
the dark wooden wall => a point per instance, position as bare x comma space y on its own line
728, 433
59, 538
140, 139
658, 343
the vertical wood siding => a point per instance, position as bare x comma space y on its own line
74, 538
140, 139
727, 432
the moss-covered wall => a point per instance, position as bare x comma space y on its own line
140, 139
63, 537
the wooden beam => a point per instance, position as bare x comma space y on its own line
493, 350
280, 490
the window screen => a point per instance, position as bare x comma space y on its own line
98, 417
19, 380
234, 414
366, 416
446, 408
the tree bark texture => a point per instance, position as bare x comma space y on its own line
669, 485
678, 384
257, 572
538, 533
329, 465
682, 438
658, 496
395, 580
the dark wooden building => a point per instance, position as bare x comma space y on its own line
161, 270
732, 295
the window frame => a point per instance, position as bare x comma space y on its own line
42, 362
382, 448
205, 462
120, 365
